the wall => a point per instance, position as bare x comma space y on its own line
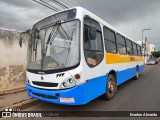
12, 60
149, 49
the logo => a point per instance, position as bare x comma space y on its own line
42, 78
41, 73
15, 112
132, 59
8, 112
60, 75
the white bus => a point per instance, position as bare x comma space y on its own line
75, 56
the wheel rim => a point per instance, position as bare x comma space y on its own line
137, 75
111, 86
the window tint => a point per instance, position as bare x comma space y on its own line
120, 40
109, 35
94, 23
139, 50
95, 44
110, 46
110, 40
135, 49
134, 46
121, 45
93, 49
129, 47
129, 43
121, 49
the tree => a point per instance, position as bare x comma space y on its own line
156, 54
28, 31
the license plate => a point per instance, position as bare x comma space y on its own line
67, 100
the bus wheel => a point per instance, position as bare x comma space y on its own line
111, 87
137, 74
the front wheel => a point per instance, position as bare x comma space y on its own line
111, 87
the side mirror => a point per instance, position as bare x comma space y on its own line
20, 40
26, 32
92, 33
37, 35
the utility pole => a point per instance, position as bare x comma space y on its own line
143, 44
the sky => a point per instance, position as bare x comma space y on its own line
129, 16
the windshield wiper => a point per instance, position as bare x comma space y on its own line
55, 31
52, 33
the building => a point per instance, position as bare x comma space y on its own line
147, 50
150, 48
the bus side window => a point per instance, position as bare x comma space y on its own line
139, 50
129, 47
135, 49
93, 49
121, 44
86, 38
110, 40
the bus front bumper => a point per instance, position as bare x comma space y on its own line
72, 96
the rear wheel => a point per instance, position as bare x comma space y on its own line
137, 74
111, 87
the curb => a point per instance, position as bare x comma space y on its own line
12, 91
22, 104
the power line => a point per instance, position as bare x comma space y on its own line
80, 3
50, 5
58, 3
45, 5
72, 2
66, 3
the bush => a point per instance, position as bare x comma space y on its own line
156, 54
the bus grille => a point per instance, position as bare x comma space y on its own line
45, 84
44, 96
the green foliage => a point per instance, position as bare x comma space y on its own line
28, 31
156, 54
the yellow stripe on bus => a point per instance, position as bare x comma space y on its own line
119, 58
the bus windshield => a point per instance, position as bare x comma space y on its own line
54, 45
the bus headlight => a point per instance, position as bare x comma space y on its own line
64, 84
68, 83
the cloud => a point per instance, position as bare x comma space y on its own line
20, 16
20, 3
129, 16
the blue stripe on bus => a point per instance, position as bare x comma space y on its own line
83, 93
125, 75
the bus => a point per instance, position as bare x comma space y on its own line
74, 57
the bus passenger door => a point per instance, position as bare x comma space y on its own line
94, 64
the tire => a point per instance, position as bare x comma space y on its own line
137, 74
111, 87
